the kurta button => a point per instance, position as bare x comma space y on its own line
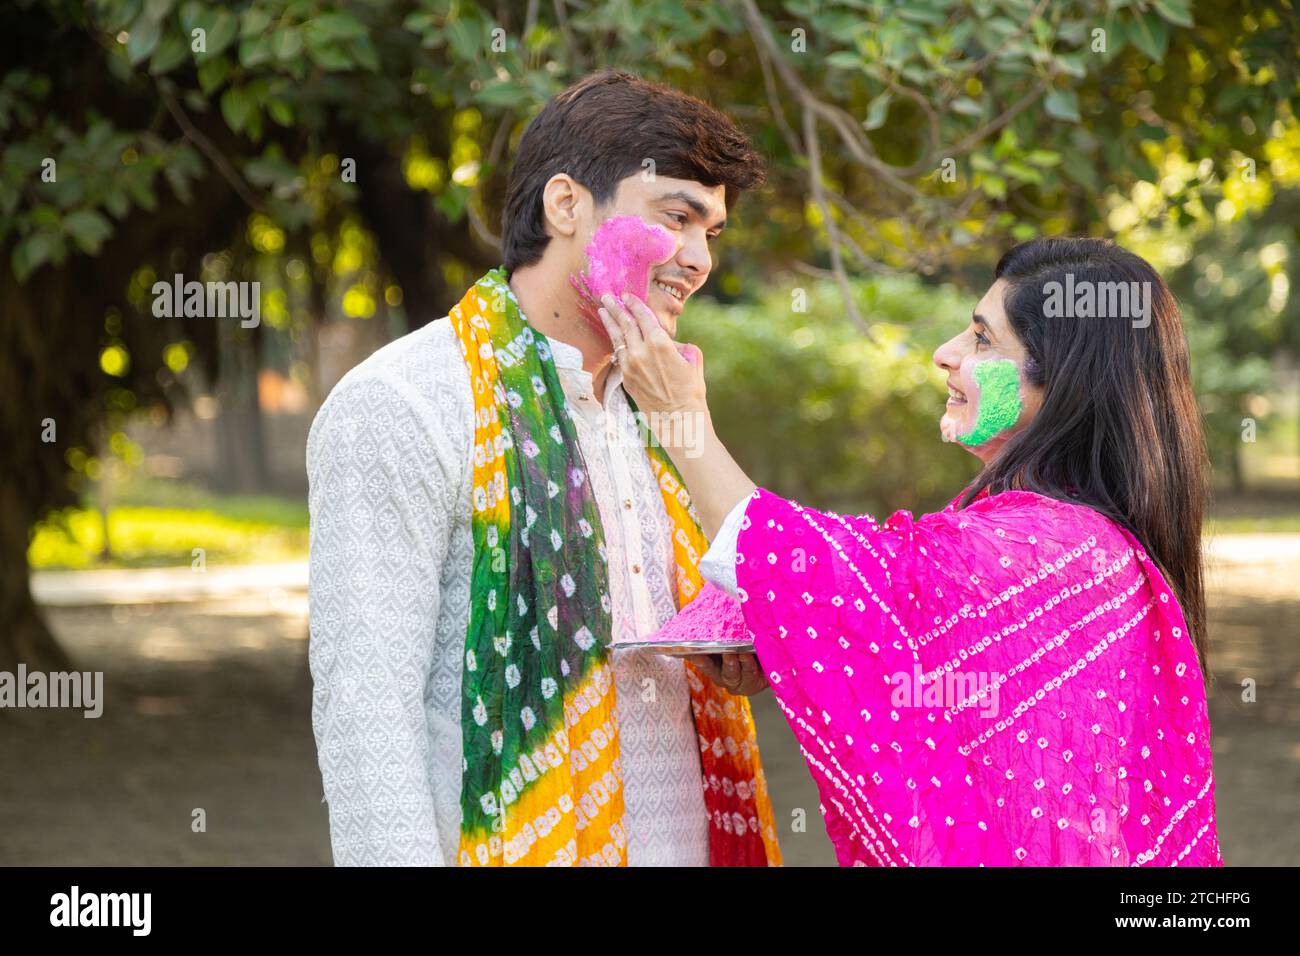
636, 569
627, 503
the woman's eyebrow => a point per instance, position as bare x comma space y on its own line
979, 320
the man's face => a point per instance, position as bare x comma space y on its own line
693, 212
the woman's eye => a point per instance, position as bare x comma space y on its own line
981, 339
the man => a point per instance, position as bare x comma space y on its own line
486, 519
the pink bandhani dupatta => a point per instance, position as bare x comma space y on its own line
1008, 684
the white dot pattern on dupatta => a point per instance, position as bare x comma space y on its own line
1042, 702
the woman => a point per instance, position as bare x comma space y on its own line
1017, 679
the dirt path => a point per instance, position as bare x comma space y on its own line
208, 707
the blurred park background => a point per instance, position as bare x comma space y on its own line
351, 158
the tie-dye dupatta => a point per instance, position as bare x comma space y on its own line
1007, 684
542, 777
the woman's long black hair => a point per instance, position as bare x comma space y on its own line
1119, 429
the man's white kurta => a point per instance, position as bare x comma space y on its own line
389, 463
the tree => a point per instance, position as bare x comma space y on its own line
145, 138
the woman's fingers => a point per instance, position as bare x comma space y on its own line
611, 327
691, 353
627, 325
646, 320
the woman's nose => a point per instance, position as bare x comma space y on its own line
947, 356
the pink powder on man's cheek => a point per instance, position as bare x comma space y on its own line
620, 256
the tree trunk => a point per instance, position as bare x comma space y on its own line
24, 636
411, 232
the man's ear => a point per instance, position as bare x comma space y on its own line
565, 203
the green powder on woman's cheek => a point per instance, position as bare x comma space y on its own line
999, 400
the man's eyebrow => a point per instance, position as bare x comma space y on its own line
696, 206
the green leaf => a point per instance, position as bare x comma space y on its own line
507, 93
845, 60
254, 50
1082, 168
919, 14
89, 228
363, 52
220, 34
335, 26
141, 192
1175, 11
1073, 64
116, 203
328, 57
141, 39
994, 186
253, 22
286, 43
466, 40
34, 251
1023, 173
1062, 104
44, 215
966, 106
452, 201
1150, 34
878, 111
270, 169
280, 111
118, 15
170, 53
213, 73
236, 106
192, 14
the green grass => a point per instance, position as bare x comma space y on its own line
1282, 521
158, 523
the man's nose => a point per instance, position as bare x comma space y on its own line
694, 254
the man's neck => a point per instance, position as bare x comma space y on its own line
552, 309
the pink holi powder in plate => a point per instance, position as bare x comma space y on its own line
620, 256
713, 618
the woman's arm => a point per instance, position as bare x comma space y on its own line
667, 382
713, 478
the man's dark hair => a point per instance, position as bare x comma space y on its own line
600, 131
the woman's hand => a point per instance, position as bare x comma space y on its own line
667, 382
663, 377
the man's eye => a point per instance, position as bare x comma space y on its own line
678, 218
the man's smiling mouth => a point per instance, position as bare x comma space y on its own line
673, 291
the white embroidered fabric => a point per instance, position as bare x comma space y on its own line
719, 562
389, 464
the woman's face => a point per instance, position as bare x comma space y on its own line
989, 399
